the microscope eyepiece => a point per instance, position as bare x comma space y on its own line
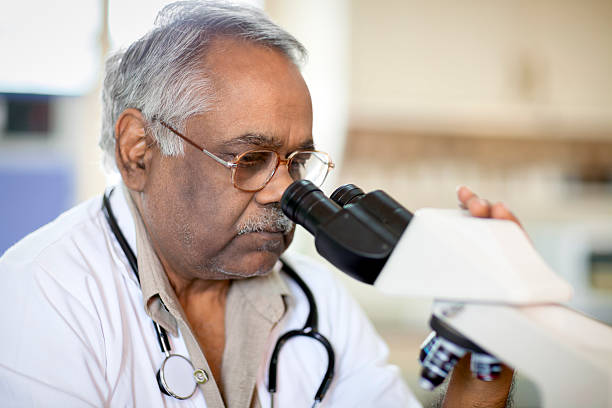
357, 232
347, 194
306, 205
356, 238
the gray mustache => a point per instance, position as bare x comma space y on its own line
271, 220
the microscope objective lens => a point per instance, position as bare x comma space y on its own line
439, 356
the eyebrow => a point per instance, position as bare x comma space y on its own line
307, 145
265, 141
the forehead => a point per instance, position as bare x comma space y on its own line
239, 66
256, 90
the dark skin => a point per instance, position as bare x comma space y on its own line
188, 204
463, 389
191, 209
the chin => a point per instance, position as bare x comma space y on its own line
251, 255
263, 263
254, 263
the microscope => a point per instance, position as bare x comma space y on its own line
494, 296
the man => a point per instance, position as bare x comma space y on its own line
208, 120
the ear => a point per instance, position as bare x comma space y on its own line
133, 154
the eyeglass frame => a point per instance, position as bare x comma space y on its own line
233, 165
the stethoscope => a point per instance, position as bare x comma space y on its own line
177, 376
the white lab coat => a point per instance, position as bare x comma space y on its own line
75, 332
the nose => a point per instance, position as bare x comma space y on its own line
273, 191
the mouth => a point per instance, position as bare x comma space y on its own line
267, 235
264, 233
265, 241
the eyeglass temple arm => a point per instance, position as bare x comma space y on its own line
194, 144
330, 163
218, 160
227, 164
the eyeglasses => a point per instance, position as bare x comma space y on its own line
253, 169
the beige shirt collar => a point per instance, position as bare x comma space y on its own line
253, 307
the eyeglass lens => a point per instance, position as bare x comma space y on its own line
254, 169
312, 166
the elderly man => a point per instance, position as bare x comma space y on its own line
208, 120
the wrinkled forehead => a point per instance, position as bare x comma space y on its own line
259, 90
240, 68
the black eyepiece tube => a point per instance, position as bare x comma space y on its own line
388, 213
351, 238
306, 205
346, 194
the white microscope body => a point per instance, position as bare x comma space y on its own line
490, 285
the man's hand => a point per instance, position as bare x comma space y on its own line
479, 207
464, 390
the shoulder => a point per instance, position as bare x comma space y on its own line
334, 302
61, 259
339, 314
318, 277
64, 229
360, 353
51, 284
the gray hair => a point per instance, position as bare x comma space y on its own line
162, 73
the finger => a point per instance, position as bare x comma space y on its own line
464, 194
500, 211
479, 207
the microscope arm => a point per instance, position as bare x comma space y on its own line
448, 254
492, 287
494, 295
568, 355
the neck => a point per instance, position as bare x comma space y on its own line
203, 302
188, 292
186, 288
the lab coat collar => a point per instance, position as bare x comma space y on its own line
269, 294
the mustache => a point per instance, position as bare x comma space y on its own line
271, 220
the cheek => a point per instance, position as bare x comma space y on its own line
193, 215
208, 213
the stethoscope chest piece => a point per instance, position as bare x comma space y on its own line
177, 377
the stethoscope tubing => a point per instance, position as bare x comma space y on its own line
162, 335
310, 328
306, 332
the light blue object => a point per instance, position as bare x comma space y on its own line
34, 190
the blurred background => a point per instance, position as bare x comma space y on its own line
510, 97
